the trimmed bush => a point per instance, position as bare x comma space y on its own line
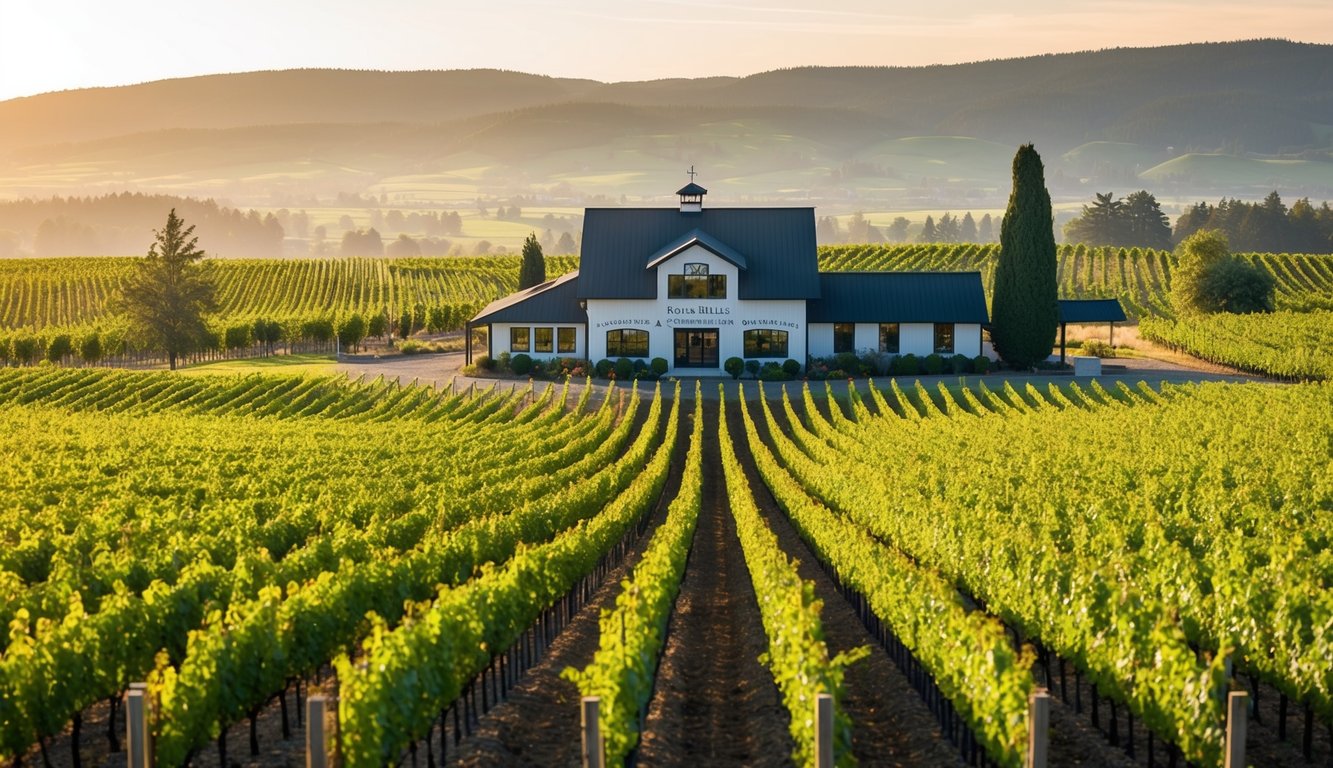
906, 365
932, 365
734, 366
485, 363
771, 371
520, 364
659, 367
981, 364
792, 368
752, 367
624, 369
960, 364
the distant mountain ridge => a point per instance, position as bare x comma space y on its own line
317, 130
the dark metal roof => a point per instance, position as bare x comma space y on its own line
1091, 311
899, 297
692, 189
551, 302
695, 237
778, 245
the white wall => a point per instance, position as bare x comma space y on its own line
913, 338
499, 341
731, 317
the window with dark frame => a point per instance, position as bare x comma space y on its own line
542, 339
626, 342
696, 283
888, 338
944, 338
844, 337
764, 342
566, 340
518, 338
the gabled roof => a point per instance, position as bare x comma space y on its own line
702, 239
550, 302
691, 189
899, 297
1091, 311
777, 244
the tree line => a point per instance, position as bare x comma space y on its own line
948, 229
1267, 227
120, 223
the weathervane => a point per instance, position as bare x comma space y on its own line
691, 173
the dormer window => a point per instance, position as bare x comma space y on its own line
696, 283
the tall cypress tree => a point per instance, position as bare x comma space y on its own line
533, 270
1024, 308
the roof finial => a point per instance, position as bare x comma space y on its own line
691, 173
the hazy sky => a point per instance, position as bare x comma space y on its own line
50, 45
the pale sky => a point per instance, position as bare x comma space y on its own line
48, 45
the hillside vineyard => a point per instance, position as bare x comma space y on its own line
262, 535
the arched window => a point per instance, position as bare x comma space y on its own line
626, 342
763, 342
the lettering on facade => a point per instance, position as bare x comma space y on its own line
772, 324
618, 323
701, 309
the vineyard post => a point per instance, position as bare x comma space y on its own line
317, 741
138, 726
1039, 726
1237, 706
823, 730
594, 751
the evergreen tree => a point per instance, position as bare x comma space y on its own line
897, 232
986, 232
967, 231
1024, 309
1147, 225
928, 232
948, 229
566, 243
169, 291
533, 270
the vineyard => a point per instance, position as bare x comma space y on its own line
419, 554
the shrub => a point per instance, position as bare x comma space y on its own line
734, 366
874, 362
847, 361
412, 348
792, 368
837, 373
932, 365
981, 364
603, 368
771, 371
505, 360
485, 363
538, 369
1097, 348
624, 369
752, 368
520, 364
659, 367
906, 365
640, 368
960, 364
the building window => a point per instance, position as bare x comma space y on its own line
888, 338
566, 340
626, 343
518, 339
696, 283
542, 339
844, 337
765, 343
944, 338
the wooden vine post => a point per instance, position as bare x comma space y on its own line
823, 730
139, 726
594, 750
1039, 728
321, 742
1237, 711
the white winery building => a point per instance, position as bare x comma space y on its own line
696, 286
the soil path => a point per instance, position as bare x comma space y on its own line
715, 704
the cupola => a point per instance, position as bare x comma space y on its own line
691, 196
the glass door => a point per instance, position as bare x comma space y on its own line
696, 348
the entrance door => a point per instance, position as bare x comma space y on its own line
696, 348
